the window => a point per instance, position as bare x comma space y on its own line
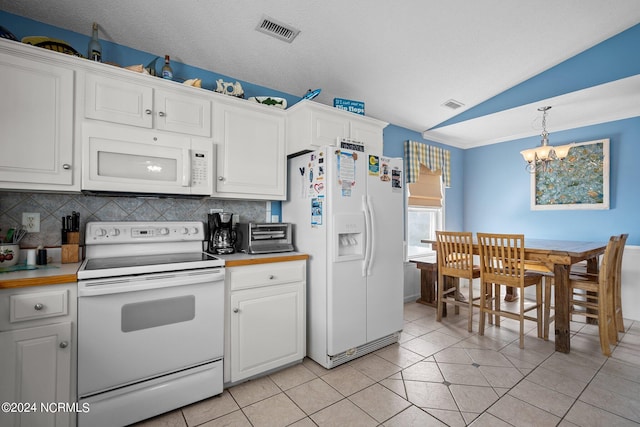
425, 212
422, 223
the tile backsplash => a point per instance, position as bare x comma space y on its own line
52, 207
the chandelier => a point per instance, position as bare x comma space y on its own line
539, 157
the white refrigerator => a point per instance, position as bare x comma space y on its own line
347, 209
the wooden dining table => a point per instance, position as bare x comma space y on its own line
559, 256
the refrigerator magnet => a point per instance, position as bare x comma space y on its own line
374, 165
316, 211
396, 179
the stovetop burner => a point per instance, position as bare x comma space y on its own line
130, 261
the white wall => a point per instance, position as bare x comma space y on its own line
631, 283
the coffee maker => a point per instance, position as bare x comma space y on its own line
222, 237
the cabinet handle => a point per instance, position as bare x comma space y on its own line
235, 310
271, 277
66, 166
147, 111
161, 114
221, 178
64, 344
38, 306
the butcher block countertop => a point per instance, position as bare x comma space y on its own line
240, 259
56, 273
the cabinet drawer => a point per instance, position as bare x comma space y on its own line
266, 274
38, 305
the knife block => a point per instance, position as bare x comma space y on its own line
70, 251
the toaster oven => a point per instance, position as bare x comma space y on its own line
264, 238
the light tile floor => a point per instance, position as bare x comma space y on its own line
440, 374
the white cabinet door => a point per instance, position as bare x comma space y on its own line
250, 151
36, 122
326, 128
118, 101
125, 101
36, 368
267, 329
183, 113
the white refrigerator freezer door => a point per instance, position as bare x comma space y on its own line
346, 286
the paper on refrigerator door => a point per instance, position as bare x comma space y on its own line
346, 166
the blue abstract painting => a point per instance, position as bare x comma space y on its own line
579, 181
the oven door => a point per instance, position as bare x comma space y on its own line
136, 328
142, 161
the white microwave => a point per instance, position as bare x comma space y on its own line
122, 159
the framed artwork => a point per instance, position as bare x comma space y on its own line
579, 181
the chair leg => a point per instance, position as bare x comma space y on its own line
470, 301
495, 301
521, 302
483, 305
603, 328
539, 309
439, 298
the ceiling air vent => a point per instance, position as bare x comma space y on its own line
277, 29
453, 104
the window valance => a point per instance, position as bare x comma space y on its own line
434, 158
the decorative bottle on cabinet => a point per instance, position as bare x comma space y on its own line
95, 49
167, 72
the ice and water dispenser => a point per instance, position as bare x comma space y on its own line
349, 237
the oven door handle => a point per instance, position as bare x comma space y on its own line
89, 288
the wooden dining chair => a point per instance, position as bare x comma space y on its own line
581, 269
547, 283
455, 259
593, 296
502, 263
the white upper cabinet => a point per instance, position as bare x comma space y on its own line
127, 101
311, 125
250, 142
36, 119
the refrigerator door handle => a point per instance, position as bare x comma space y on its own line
367, 234
371, 235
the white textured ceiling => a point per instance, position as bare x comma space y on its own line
402, 58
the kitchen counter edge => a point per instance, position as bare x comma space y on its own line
57, 274
54, 274
242, 259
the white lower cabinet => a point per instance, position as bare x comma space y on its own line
266, 318
37, 355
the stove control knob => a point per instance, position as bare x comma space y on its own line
100, 232
163, 231
114, 232
193, 230
184, 230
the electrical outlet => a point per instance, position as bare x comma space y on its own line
31, 222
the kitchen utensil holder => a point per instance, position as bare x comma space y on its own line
70, 252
